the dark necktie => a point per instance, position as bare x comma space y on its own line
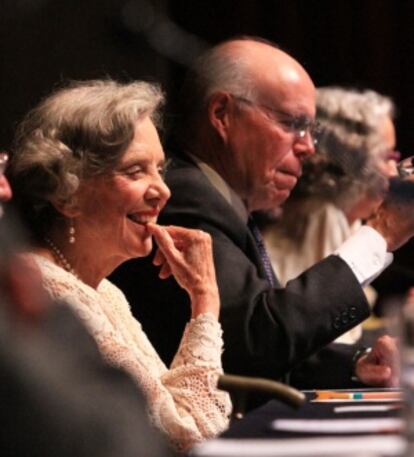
254, 229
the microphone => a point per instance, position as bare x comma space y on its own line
240, 386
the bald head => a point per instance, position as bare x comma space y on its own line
263, 59
247, 67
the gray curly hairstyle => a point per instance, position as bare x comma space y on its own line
350, 147
79, 131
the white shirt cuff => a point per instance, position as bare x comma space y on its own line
366, 254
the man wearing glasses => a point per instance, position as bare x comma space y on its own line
246, 126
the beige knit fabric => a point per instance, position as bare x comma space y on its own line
182, 401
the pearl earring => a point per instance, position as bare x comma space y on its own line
72, 232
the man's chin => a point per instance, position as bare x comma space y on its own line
268, 198
274, 199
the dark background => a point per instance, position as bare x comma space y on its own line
363, 43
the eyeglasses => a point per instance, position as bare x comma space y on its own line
299, 125
4, 159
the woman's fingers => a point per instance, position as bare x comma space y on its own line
169, 254
179, 233
159, 258
187, 254
164, 241
165, 271
186, 251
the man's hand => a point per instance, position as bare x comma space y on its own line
394, 219
380, 367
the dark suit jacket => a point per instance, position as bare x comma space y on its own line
267, 332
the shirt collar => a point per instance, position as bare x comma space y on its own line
225, 190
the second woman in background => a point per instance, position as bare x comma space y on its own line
341, 185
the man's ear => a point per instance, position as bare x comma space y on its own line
219, 107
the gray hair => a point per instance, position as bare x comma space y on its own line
216, 70
350, 147
79, 131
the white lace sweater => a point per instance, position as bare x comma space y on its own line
183, 401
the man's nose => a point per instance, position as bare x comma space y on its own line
304, 147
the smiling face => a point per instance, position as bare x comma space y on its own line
114, 209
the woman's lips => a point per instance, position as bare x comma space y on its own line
144, 217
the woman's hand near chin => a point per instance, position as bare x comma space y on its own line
187, 255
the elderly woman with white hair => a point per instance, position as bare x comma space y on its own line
341, 185
87, 177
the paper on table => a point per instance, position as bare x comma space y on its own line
361, 446
358, 396
375, 425
350, 400
366, 408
